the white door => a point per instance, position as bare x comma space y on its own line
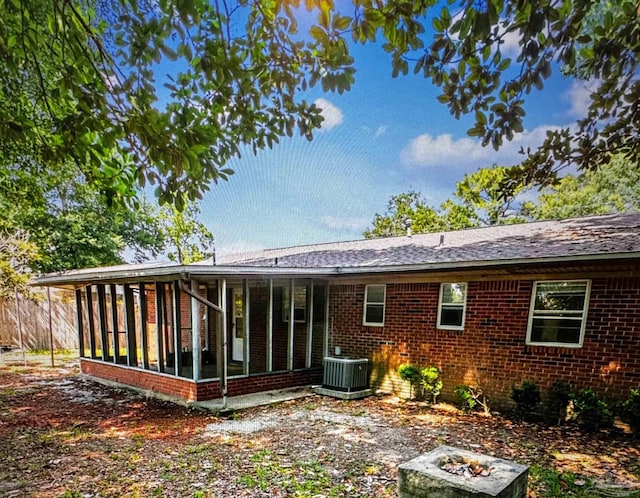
237, 324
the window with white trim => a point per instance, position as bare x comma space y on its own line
452, 306
558, 313
299, 304
374, 296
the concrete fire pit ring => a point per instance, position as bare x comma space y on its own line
424, 477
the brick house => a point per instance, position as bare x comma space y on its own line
553, 300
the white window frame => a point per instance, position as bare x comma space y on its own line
367, 303
464, 307
302, 306
585, 310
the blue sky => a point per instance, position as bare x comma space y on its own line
385, 136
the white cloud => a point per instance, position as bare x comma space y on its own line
510, 44
579, 97
427, 151
341, 223
332, 115
380, 131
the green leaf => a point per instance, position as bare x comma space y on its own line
341, 22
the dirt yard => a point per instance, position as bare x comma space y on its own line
64, 436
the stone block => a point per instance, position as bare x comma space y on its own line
423, 477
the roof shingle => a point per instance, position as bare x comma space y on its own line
594, 235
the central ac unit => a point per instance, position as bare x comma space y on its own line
346, 374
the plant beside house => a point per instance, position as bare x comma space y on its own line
526, 397
589, 411
430, 382
559, 398
631, 411
423, 382
410, 374
472, 397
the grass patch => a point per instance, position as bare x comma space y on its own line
548, 482
302, 479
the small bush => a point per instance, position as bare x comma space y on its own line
466, 402
424, 381
526, 397
430, 382
559, 398
631, 411
410, 374
590, 412
471, 397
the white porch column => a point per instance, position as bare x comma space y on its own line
290, 348
246, 344
309, 324
195, 333
326, 319
270, 328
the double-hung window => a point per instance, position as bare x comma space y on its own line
374, 296
558, 313
452, 306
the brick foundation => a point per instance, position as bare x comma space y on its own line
198, 391
491, 349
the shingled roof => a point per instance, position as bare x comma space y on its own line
580, 237
605, 237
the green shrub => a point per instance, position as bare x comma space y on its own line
430, 382
410, 374
424, 381
466, 402
526, 397
471, 397
590, 412
631, 410
559, 398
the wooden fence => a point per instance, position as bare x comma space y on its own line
34, 321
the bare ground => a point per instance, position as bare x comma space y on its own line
62, 435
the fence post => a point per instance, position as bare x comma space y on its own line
50, 326
24, 358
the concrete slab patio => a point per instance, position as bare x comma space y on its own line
235, 403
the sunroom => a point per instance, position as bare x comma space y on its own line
199, 332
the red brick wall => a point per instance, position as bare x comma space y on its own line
491, 349
198, 391
269, 381
142, 379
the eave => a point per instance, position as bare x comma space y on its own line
169, 272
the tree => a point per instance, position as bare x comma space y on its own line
69, 222
188, 240
16, 254
614, 187
477, 201
242, 69
482, 199
402, 208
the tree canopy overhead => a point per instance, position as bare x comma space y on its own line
93, 94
